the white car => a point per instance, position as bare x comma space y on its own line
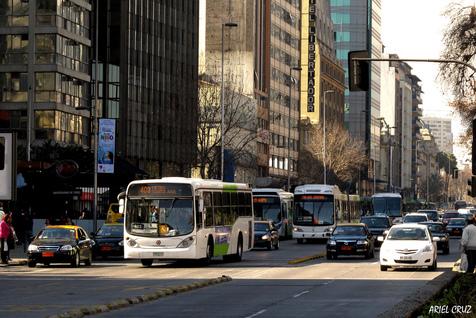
408, 245
415, 218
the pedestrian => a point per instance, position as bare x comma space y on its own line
468, 244
12, 237
4, 234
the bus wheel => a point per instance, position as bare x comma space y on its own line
239, 250
147, 262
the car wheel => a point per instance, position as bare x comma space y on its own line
31, 264
276, 246
89, 261
383, 268
434, 266
300, 241
76, 262
147, 262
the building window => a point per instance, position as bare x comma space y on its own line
14, 87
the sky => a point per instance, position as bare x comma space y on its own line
414, 29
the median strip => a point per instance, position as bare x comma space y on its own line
306, 258
126, 302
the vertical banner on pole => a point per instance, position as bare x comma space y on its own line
106, 145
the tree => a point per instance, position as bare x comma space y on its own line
460, 44
240, 127
446, 161
345, 156
436, 189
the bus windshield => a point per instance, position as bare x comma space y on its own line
267, 208
314, 210
159, 217
387, 205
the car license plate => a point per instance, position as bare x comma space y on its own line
346, 248
106, 248
47, 254
157, 253
405, 258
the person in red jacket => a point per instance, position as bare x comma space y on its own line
4, 234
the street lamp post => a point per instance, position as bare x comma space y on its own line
324, 139
96, 125
416, 164
222, 133
291, 69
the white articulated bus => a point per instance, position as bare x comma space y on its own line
275, 205
315, 211
183, 218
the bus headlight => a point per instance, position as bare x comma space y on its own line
186, 243
132, 243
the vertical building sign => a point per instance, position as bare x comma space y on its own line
106, 145
311, 56
8, 166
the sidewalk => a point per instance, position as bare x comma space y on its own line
18, 257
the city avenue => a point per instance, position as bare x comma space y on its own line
264, 284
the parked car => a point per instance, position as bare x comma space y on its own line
408, 245
438, 230
431, 214
266, 235
455, 226
109, 240
61, 244
449, 214
415, 218
377, 225
350, 239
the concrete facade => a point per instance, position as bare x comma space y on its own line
440, 128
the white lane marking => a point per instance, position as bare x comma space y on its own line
375, 263
256, 314
301, 293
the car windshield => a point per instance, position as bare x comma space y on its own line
450, 215
456, 222
414, 218
376, 222
261, 227
57, 234
111, 231
349, 230
407, 234
159, 217
435, 228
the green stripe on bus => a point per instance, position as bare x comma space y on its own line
230, 188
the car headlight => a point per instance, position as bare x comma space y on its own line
186, 243
66, 248
121, 243
329, 229
427, 248
33, 248
362, 242
265, 237
297, 229
332, 242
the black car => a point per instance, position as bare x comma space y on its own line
61, 244
266, 235
448, 215
350, 239
431, 214
377, 224
437, 229
455, 226
109, 241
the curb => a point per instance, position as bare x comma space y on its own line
126, 302
414, 302
306, 258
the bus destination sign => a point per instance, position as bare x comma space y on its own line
160, 190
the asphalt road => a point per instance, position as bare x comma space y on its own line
264, 285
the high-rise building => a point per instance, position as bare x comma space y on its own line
440, 128
148, 80
358, 24
45, 71
262, 51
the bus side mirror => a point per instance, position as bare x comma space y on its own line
200, 205
121, 205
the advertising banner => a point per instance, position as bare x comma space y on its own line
106, 145
8, 165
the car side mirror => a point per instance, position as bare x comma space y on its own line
380, 238
436, 239
121, 205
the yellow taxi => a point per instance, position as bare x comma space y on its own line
61, 244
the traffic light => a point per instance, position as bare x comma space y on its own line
472, 189
358, 71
